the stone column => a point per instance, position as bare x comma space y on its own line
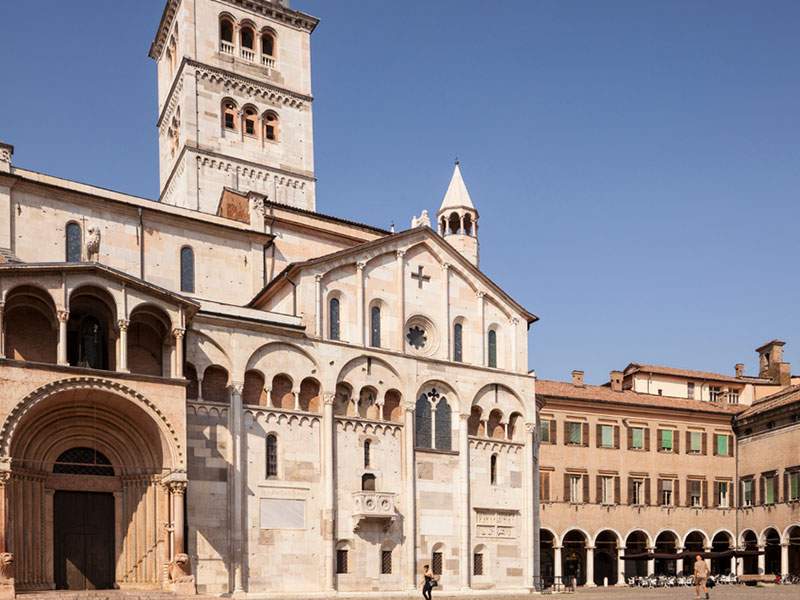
320, 305
2, 333
590, 566
63, 317
236, 508
466, 520
410, 494
739, 569
329, 474
361, 337
481, 310
448, 328
513, 323
5, 478
784, 558
296, 396
620, 566
177, 491
177, 368
530, 500
651, 564
401, 291
761, 560
707, 560
122, 342
557, 563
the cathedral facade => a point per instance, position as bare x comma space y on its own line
230, 392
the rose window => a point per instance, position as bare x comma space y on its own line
416, 337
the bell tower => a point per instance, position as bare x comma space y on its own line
234, 102
458, 218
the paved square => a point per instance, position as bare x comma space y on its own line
725, 592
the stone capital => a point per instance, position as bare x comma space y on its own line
63, 316
123, 324
480, 294
400, 253
445, 266
177, 487
360, 265
328, 398
178, 333
236, 387
318, 277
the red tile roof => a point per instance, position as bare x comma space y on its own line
688, 373
785, 397
604, 394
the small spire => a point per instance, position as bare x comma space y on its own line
457, 195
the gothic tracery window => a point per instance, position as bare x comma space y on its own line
73, 243
443, 425
187, 269
416, 337
423, 426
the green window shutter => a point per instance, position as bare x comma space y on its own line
696, 441
607, 433
722, 445
638, 438
666, 439
794, 486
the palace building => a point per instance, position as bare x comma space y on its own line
228, 391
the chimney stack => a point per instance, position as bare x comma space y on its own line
577, 378
739, 370
616, 380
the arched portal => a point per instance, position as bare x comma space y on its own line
695, 543
605, 558
546, 557
750, 561
666, 543
793, 538
721, 542
573, 557
636, 545
772, 552
86, 504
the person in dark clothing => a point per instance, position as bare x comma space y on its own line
428, 583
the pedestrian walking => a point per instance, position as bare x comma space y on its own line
429, 582
700, 577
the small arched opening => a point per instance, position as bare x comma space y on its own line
495, 427
215, 384
750, 560
793, 539
342, 403
546, 557
635, 551
192, 385
31, 325
368, 403
605, 558
474, 424
310, 398
666, 543
148, 339
392, 410
573, 557
454, 222
281, 395
91, 329
253, 391
772, 552
695, 543
722, 565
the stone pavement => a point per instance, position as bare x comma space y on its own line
723, 592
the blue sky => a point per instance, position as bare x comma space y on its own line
636, 164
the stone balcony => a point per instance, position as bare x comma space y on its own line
376, 506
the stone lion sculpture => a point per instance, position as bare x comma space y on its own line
7, 575
180, 575
93, 244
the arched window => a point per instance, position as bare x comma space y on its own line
226, 35
229, 115
493, 469
73, 242
272, 456
247, 38
491, 355
423, 423
443, 425
249, 118
268, 44
467, 224
368, 482
375, 327
333, 317
187, 270
271, 126
367, 457
455, 223
458, 332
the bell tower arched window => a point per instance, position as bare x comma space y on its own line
229, 115
73, 243
333, 318
249, 121
458, 332
226, 35
268, 44
493, 469
187, 270
271, 126
375, 327
491, 355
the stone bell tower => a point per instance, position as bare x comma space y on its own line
458, 218
234, 102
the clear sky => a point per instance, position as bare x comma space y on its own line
636, 164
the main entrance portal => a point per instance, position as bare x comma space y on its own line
83, 539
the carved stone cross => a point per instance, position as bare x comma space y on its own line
420, 277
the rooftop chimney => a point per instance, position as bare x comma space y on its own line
739, 370
577, 378
616, 380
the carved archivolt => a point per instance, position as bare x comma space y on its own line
16, 415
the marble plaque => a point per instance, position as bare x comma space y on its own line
281, 513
